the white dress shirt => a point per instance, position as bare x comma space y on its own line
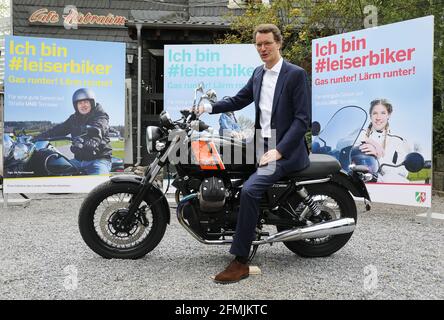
266, 98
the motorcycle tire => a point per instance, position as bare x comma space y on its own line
97, 244
347, 208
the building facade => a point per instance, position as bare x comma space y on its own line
145, 27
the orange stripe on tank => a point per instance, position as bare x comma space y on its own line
206, 155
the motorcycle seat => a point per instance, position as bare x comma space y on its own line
320, 165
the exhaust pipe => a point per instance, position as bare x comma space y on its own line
318, 230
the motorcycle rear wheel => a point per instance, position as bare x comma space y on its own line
336, 202
99, 222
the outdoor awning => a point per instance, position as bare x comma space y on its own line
175, 19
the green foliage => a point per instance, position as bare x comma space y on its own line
438, 133
61, 143
422, 175
118, 149
119, 154
243, 26
120, 144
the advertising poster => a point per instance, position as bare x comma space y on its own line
223, 68
372, 96
64, 114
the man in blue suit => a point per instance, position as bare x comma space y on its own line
281, 94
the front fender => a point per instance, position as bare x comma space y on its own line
153, 194
131, 178
352, 183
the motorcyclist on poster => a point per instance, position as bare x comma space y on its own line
377, 140
92, 152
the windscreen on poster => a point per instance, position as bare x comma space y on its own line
372, 96
224, 68
64, 114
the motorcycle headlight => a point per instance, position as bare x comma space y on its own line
153, 134
21, 152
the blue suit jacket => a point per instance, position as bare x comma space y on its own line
290, 116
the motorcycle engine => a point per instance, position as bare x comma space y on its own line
212, 194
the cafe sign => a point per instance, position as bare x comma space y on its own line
72, 17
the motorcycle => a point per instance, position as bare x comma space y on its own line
312, 210
340, 141
25, 156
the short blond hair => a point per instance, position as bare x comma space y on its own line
268, 28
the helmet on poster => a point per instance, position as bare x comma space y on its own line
83, 94
358, 157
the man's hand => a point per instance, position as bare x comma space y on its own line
203, 107
200, 109
77, 145
91, 144
271, 155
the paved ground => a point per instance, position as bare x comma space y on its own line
390, 256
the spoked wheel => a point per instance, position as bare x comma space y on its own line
335, 203
106, 229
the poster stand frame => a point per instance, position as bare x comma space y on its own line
16, 202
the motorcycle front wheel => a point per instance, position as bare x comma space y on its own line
335, 202
104, 230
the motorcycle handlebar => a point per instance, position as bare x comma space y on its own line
59, 138
53, 139
198, 125
191, 121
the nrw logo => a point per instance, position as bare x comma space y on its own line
420, 197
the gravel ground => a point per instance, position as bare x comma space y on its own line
390, 256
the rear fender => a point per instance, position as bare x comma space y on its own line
153, 194
352, 183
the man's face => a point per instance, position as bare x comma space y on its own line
268, 48
84, 106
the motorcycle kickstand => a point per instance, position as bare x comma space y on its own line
253, 253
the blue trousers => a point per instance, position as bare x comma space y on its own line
251, 194
98, 166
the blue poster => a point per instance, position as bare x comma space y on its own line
64, 114
223, 68
372, 99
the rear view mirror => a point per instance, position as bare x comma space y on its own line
200, 87
414, 162
211, 95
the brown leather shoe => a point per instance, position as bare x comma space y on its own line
235, 272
